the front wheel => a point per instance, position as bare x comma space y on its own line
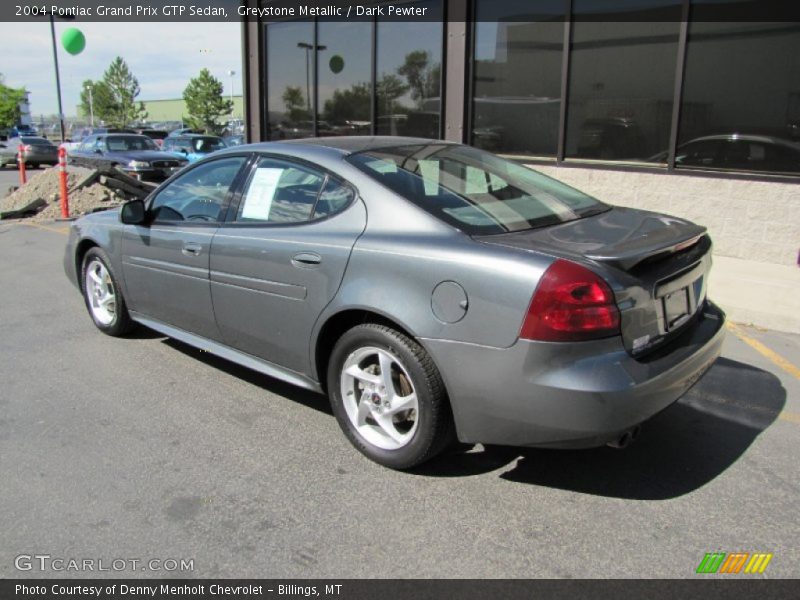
103, 296
388, 396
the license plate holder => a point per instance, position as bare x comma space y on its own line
676, 308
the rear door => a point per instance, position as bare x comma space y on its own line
165, 262
281, 258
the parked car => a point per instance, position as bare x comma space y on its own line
135, 154
426, 286
183, 131
739, 152
157, 135
233, 140
36, 150
193, 146
22, 130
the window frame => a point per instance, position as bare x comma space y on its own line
226, 204
247, 174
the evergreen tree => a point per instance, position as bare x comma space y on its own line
10, 99
205, 103
124, 89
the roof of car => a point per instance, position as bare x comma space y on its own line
360, 143
745, 137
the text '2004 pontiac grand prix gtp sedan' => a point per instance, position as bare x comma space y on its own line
432, 290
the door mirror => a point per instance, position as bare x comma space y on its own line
133, 212
98, 151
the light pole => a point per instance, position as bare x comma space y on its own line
58, 77
306, 46
231, 73
88, 88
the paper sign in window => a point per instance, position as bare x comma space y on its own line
258, 200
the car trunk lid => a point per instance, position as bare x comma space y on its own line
656, 264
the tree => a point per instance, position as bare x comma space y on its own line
389, 88
124, 89
102, 104
295, 102
10, 99
349, 105
205, 103
423, 79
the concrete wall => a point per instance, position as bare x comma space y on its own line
751, 220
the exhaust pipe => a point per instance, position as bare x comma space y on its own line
624, 440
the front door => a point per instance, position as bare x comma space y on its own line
280, 261
166, 262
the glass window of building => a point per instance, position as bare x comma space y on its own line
290, 79
741, 96
517, 85
345, 78
409, 64
622, 79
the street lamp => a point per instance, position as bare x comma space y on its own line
231, 73
88, 88
306, 46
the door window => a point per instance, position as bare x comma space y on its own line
198, 195
283, 192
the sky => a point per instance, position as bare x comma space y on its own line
162, 56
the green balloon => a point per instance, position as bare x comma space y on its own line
73, 40
336, 63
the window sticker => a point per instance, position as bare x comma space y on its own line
258, 200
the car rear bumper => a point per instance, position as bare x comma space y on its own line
570, 395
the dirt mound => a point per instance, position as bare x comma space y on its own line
89, 190
85, 200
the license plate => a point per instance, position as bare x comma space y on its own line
676, 308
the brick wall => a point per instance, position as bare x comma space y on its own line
752, 220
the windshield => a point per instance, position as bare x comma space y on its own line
207, 144
473, 190
127, 143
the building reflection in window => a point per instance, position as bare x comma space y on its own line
290, 79
517, 86
408, 86
345, 74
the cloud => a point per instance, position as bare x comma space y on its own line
163, 57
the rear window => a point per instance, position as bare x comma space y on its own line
35, 141
475, 191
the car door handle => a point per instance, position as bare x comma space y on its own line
191, 249
306, 259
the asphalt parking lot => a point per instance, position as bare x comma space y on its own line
146, 448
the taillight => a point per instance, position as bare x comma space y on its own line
571, 303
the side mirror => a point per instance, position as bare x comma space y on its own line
133, 213
98, 151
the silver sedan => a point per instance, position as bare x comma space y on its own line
432, 290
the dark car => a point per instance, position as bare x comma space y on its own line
157, 135
36, 151
135, 154
610, 138
431, 289
193, 146
738, 152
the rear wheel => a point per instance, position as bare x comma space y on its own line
388, 396
102, 295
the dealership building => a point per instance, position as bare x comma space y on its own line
688, 107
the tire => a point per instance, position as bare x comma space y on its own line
98, 283
32, 165
400, 430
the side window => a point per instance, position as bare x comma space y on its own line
283, 192
198, 195
333, 198
701, 154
